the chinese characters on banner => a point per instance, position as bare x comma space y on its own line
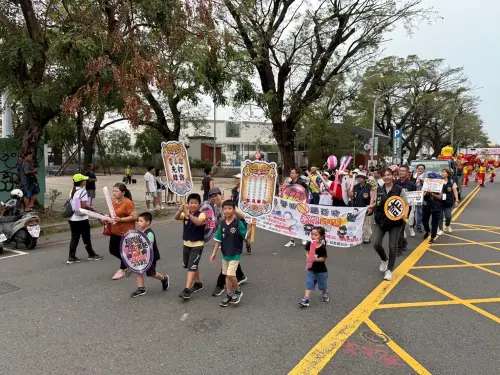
415, 198
211, 219
258, 181
433, 185
294, 192
176, 162
395, 208
343, 225
136, 251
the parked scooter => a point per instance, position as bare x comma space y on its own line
3, 238
16, 224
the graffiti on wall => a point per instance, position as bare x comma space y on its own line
9, 171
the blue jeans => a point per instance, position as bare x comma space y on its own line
445, 214
419, 215
313, 278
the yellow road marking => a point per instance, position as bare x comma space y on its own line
465, 262
472, 242
466, 230
454, 265
319, 356
462, 208
412, 362
464, 243
455, 298
478, 228
477, 225
434, 303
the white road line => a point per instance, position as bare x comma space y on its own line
17, 253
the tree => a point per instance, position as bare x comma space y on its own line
148, 143
409, 92
117, 141
298, 48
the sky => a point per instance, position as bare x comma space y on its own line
467, 35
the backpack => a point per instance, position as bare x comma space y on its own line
67, 210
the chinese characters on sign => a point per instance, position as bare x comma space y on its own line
176, 162
258, 181
395, 208
415, 198
433, 185
136, 251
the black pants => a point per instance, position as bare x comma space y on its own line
315, 198
114, 249
378, 237
427, 214
402, 242
129, 179
221, 280
80, 229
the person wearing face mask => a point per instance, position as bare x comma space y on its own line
385, 225
215, 197
407, 184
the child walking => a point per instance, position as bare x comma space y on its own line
145, 220
317, 272
194, 240
229, 237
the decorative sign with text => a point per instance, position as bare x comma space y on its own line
210, 219
294, 192
176, 162
415, 198
434, 185
258, 181
136, 251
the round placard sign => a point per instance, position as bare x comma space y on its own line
294, 192
210, 219
136, 251
395, 208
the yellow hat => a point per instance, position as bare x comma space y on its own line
79, 177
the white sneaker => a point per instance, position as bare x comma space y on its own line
383, 266
440, 233
304, 242
412, 232
388, 275
290, 244
449, 230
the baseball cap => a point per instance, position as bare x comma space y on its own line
213, 191
79, 177
361, 174
314, 169
237, 175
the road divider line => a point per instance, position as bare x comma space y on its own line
477, 228
477, 225
455, 265
435, 303
319, 356
465, 262
467, 200
464, 243
412, 362
455, 298
472, 242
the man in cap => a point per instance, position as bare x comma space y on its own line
363, 195
215, 196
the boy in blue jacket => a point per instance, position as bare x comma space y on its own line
229, 237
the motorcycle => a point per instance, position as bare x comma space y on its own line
3, 238
17, 225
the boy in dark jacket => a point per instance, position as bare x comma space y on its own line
229, 237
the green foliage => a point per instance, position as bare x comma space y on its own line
148, 143
124, 160
202, 164
116, 142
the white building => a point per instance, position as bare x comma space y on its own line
238, 139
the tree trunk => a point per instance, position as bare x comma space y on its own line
88, 149
285, 136
32, 134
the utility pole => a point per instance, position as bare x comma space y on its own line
215, 135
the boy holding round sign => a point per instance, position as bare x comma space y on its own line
145, 220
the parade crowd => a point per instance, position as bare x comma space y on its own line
361, 188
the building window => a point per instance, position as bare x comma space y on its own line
233, 147
233, 129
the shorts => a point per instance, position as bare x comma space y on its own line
150, 196
152, 270
91, 194
27, 188
313, 278
229, 267
191, 257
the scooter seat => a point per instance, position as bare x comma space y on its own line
10, 219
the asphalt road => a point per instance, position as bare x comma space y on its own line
59, 319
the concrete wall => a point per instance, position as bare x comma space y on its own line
9, 161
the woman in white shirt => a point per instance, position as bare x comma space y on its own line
79, 223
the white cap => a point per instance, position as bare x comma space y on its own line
237, 175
